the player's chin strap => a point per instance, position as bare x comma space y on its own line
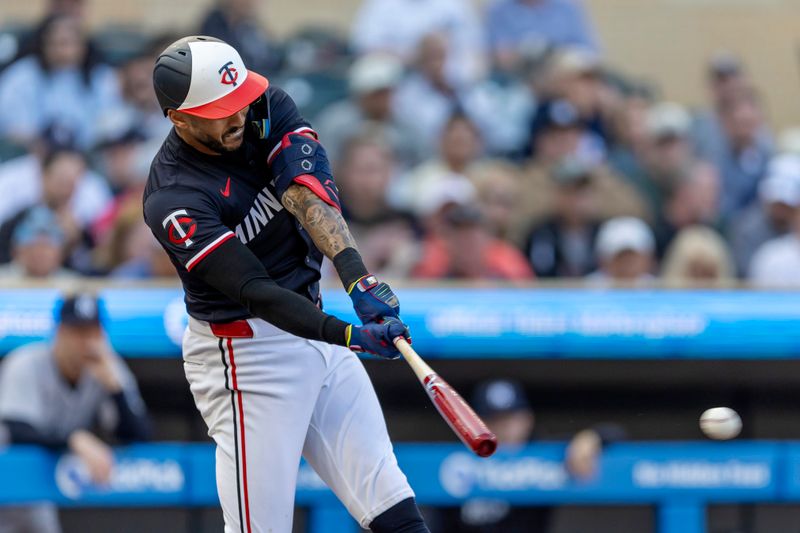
300, 158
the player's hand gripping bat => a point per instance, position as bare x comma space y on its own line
459, 416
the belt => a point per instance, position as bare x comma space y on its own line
238, 329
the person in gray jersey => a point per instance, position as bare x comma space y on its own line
61, 395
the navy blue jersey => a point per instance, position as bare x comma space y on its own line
193, 202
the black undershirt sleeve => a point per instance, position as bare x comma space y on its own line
233, 270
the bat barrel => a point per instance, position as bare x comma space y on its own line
472, 431
457, 413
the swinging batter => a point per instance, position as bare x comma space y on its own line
242, 198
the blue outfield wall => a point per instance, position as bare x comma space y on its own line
680, 478
472, 323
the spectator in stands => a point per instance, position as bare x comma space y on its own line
122, 160
562, 245
497, 184
131, 251
399, 27
725, 78
61, 82
21, 179
37, 249
463, 248
140, 109
372, 81
776, 263
237, 23
386, 237
740, 148
504, 406
27, 37
426, 99
557, 131
460, 147
625, 249
698, 257
694, 199
515, 27
54, 394
125, 159
62, 171
629, 131
662, 158
578, 77
771, 217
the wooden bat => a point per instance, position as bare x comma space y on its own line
459, 416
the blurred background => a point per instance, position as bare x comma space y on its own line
589, 209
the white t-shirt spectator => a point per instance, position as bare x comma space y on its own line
777, 263
397, 26
31, 99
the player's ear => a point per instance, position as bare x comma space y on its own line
180, 120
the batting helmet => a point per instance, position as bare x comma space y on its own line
205, 77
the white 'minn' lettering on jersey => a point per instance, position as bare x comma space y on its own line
264, 208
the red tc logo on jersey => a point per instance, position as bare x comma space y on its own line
229, 74
181, 227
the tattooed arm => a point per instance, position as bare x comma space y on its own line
323, 222
373, 300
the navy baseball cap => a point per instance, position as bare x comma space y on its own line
499, 396
81, 309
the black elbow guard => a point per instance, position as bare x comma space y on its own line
302, 159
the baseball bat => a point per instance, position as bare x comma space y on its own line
457, 413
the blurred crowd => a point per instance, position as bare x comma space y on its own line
498, 143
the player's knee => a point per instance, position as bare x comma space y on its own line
403, 517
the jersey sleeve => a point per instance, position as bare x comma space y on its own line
296, 158
286, 117
186, 223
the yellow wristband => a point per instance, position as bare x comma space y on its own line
352, 285
348, 332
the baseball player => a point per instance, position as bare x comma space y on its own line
242, 198
55, 393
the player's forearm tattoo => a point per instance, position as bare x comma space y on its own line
324, 223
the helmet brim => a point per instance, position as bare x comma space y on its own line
253, 87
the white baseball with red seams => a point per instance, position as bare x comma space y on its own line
720, 423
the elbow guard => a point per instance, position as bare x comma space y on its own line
299, 158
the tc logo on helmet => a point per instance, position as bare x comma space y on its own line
229, 74
181, 228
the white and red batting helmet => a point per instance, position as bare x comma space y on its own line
205, 77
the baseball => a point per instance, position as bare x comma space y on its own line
720, 423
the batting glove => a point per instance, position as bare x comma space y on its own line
373, 300
377, 338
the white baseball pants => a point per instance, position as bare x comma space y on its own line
267, 396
